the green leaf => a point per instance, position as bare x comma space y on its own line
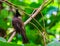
54, 43
2, 39
7, 44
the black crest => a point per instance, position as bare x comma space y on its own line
17, 13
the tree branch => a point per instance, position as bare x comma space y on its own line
38, 10
13, 34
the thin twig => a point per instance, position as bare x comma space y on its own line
36, 27
37, 21
10, 4
44, 38
44, 32
40, 33
43, 19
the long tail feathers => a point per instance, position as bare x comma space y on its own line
24, 37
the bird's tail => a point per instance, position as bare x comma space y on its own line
24, 37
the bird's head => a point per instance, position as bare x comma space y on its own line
17, 13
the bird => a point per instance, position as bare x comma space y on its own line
18, 25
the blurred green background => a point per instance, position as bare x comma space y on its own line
48, 19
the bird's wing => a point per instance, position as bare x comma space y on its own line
17, 23
20, 25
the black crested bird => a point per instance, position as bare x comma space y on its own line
19, 26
